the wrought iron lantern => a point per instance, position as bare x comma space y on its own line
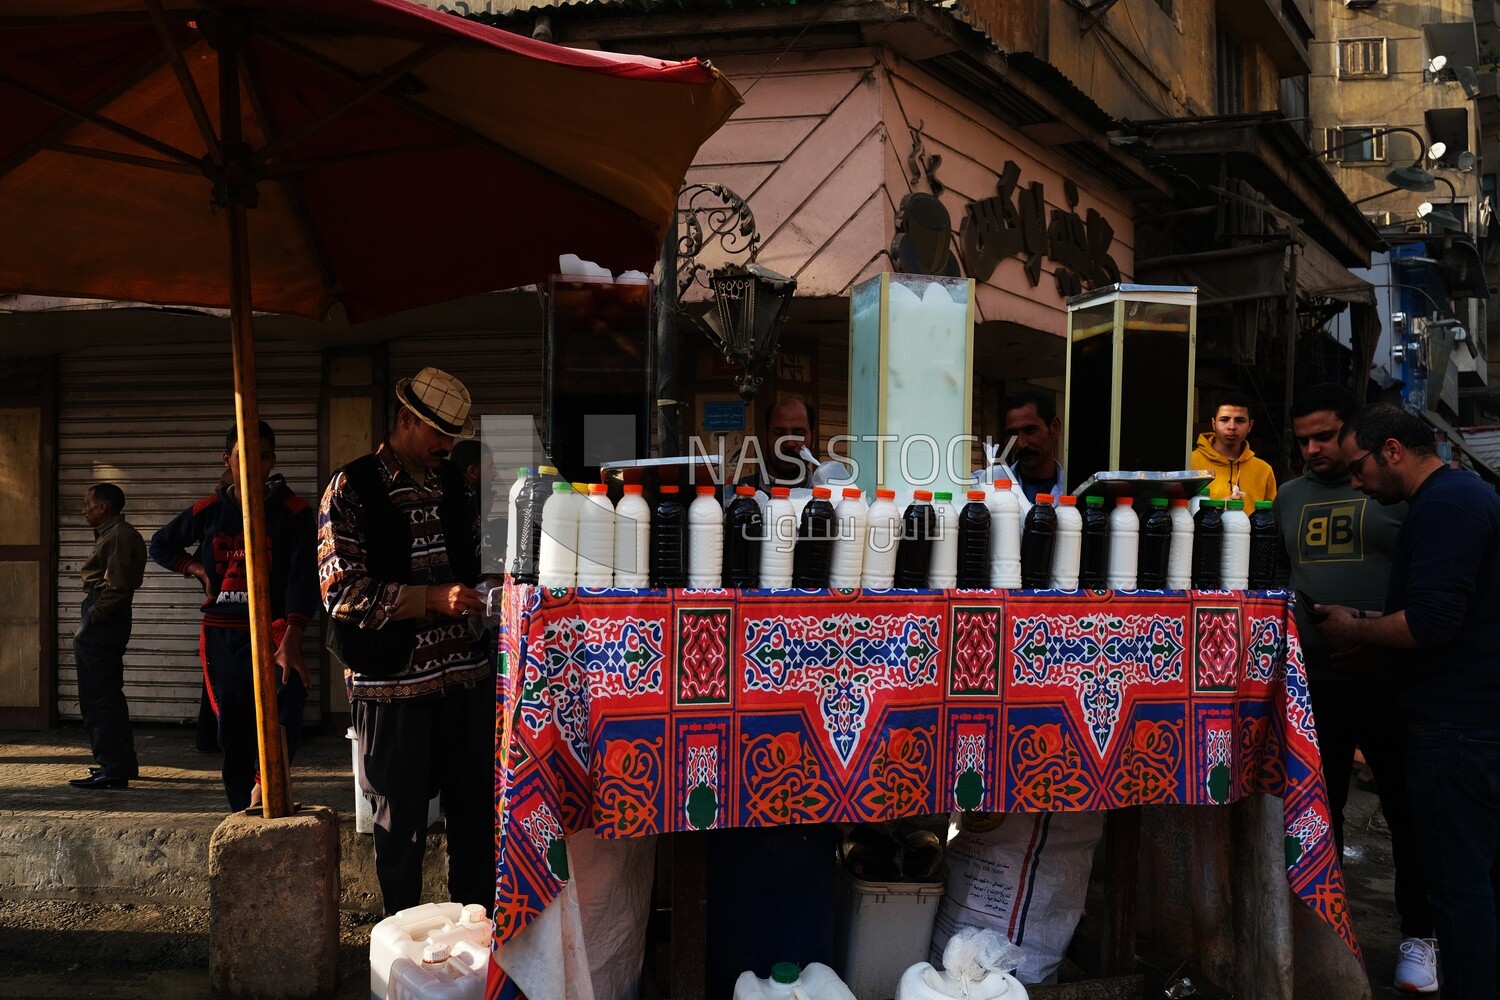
749, 301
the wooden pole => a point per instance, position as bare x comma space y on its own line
275, 785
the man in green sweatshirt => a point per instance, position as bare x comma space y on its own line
1339, 544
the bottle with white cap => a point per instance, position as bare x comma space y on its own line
633, 538
1005, 536
596, 539
881, 542
558, 562
852, 521
1124, 544
779, 544
705, 539
942, 574
1234, 557
1180, 557
1067, 549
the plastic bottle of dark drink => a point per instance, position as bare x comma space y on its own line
914, 554
974, 543
743, 528
1038, 537
1155, 546
529, 503
1265, 546
1208, 544
1094, 564
815, 535
669, 539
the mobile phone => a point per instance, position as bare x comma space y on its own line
1316, 617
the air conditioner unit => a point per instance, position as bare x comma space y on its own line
1360, 4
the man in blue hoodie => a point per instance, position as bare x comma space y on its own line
1440, 613
215, 526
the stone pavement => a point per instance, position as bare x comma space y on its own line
149, 843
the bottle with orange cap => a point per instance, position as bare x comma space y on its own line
851, 520
914, 554
1067, 550
1038, 538
882, 539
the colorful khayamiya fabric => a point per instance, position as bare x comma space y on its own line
641, 712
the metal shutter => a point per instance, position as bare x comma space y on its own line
152, 419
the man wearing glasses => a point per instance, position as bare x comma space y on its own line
1339, 546
1442, 610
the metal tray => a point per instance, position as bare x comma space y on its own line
1142, 486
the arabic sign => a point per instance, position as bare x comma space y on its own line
1014, 222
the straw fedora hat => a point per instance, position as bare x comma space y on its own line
439, 400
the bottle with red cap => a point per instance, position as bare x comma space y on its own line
1005, 536
705, 539
669, 538
974, 543
632, 538
1038, 539
914, 554
743, 528
852, 519
881, 542
777, 546
815, 535
596, 539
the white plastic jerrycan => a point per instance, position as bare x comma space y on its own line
976, 966
462, 930
787, 982
445, 972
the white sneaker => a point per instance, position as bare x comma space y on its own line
1416, 969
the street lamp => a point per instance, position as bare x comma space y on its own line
1437, 217
1412, 178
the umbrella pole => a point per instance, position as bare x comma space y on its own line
275, 785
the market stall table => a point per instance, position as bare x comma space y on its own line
631, 713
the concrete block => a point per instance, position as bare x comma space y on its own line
273, 905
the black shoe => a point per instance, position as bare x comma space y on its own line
100, 781
131, 775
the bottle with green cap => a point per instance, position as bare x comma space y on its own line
1155, 546
1265, 546
557, 562
1208, 544
1093, 564
942, 573
1234, 572
814, 981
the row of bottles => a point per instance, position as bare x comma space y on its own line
1167, 548
755, 542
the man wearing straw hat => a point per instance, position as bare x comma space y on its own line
398, 557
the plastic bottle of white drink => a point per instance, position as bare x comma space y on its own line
557, 566
1180, 557
881, 541
512, 513
596, 539
706, 539
1005, 536
633, 539
942, 574
1067, 549
777, 547
1234, 557
852, 518
1124, 542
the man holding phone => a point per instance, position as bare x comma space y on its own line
1340, 545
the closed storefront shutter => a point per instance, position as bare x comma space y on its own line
151, 418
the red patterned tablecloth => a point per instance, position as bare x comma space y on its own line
639, 712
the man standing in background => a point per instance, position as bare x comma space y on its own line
112, 574
1225, 451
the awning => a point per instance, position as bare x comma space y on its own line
1319, 275
1456, 439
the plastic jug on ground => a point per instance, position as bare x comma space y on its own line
462, 929
787, 982
977, 965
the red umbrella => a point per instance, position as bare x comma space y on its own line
365, 153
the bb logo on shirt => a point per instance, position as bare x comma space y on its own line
1332, 532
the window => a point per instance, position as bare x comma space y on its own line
1293, 104
1356, 143
1230, 92
1361, 57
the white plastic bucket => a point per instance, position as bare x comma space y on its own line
885, 927
364, 814
398, 944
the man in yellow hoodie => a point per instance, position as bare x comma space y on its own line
1225, 451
